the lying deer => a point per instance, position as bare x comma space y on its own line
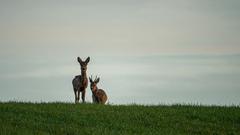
98, 95
80, 82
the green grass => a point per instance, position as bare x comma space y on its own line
73, 119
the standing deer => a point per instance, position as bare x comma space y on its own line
80, 82
98, 95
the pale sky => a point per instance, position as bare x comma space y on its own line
119, 27
40, 40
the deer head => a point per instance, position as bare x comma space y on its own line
83, 64
93, 85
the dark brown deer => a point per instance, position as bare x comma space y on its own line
80, 82
98, 95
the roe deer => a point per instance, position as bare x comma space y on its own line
80, 82
98, 95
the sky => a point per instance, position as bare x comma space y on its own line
130, 42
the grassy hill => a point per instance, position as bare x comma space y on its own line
72, 119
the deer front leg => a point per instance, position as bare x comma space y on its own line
78, 95
94, 99
83, 96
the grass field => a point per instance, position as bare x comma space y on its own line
73, 119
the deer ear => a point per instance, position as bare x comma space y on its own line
87, 60
79, 60
90, 79
97, 80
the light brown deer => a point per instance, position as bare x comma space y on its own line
80, 82
98, 95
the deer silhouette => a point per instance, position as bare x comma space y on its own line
98, 95
80, 82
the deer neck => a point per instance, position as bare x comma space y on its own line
84, 75
95, 91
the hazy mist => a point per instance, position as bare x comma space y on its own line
145, 52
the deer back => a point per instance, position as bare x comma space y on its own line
100, 96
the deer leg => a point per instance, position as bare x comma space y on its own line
94, 99
78, 95
97, 100
75, 93
83, 96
